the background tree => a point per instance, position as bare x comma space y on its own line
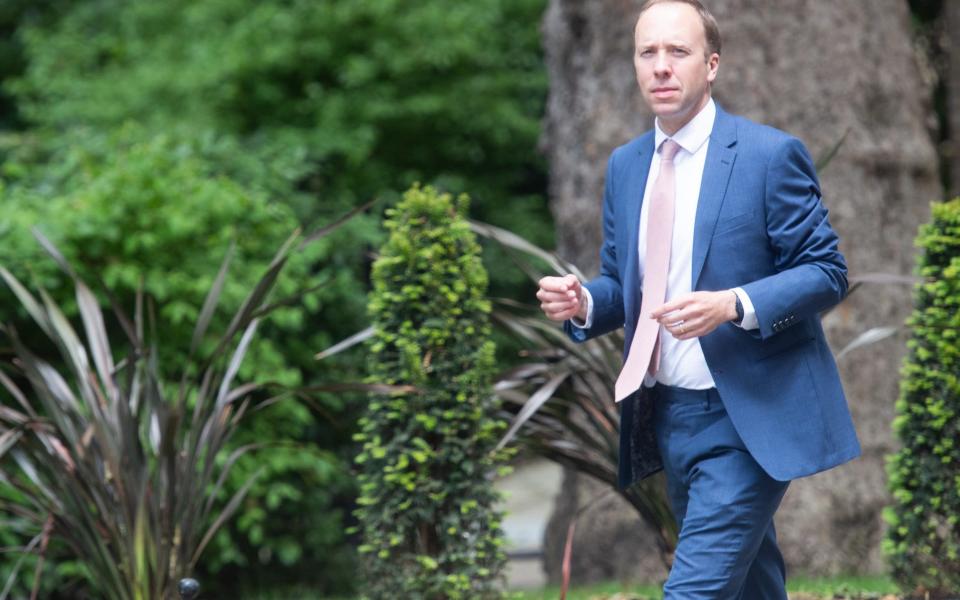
426, 505
951, 21
934, 24
777, 69
14, 14
351, 87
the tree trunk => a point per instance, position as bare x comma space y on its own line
951, 20
822, 71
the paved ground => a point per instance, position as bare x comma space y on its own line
530, 492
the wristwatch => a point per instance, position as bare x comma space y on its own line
739, 307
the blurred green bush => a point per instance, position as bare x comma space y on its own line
376, 94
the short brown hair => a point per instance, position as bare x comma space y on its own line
710, 28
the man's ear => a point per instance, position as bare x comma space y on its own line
713, 67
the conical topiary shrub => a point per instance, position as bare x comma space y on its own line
426, 499
923, 541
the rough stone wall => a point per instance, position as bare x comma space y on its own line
818, 70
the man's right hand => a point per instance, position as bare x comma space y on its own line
561, 298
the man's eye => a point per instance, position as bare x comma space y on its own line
679, 52
646, 53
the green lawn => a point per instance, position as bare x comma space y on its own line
853, 588
605, 590
828, 588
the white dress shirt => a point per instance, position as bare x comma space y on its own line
682, 363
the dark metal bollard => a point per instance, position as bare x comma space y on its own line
189, 588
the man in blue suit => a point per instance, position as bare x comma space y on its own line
740, 393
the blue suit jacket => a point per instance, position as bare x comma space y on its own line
761, 226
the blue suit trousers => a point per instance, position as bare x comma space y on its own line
724, 503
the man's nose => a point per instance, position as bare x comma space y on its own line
661, 65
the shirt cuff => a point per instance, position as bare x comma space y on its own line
588, 322
749, 314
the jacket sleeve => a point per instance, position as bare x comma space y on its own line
811, 273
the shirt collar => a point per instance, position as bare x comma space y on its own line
692, 135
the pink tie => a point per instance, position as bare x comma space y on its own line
645, 348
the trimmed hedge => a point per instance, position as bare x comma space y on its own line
426, 501
923, 540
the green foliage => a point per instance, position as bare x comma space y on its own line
923, 540
426, 506
13, 13
135, 208
298, 108
356, 85
155, 209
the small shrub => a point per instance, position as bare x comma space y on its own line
923, 540
426, 505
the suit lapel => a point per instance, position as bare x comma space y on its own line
635, 188
721, 155
636, 184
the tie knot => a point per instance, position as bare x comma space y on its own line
669, 149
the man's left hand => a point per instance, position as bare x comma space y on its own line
696, 314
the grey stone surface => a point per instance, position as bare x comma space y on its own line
610, 543
818, 70
529, 495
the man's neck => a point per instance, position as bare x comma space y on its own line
672, 127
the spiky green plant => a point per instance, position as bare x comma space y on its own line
100, 451
560, 398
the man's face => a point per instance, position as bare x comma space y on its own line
673, 70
